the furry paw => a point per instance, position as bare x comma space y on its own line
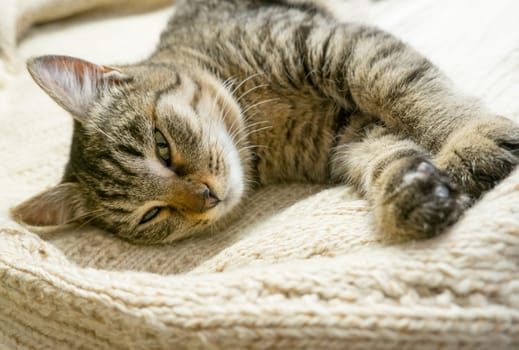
481, 154
418, 201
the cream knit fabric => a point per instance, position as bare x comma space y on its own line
302, 268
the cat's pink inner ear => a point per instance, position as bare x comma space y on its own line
73, 83
54, 207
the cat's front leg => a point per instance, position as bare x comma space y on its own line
385, 77
410, 197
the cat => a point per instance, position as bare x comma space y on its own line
244, 93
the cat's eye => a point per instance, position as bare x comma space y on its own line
150, 215
162, 147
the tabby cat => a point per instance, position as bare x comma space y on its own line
245, 93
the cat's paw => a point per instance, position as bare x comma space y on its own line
418, 201
481, 154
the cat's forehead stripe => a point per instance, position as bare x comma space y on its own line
185, 88
195, 98
171, 87
111, 163
175, 104
179, 102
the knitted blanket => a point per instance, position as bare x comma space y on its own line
302, 268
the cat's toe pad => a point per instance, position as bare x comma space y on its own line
421, 204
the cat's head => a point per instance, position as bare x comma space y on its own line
154, 154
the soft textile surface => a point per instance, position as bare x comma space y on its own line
302, 267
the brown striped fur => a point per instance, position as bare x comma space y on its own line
251, 92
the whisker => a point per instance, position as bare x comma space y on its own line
253, 146
255, 131
260, 103
251, 125
89, 216
246, 80
250, 90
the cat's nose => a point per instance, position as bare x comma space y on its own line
188, 196
210, 200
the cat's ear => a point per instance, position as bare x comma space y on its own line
57, 206
73, 83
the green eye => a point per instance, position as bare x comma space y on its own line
162, 147
150, 214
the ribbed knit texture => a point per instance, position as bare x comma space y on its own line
302, 268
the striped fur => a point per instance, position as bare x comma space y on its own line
251, 92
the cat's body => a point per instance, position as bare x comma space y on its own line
269, 74
246, 93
